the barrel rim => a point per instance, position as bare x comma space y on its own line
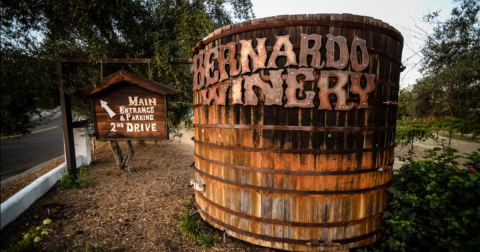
254, 24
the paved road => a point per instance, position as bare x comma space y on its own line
43, 145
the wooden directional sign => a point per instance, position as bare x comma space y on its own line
129, 107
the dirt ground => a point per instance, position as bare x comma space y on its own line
122, 211
138, 210
9, 189
420, 146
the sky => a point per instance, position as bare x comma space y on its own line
404, 15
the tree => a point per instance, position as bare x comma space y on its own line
409, 130
161, 30
451, 63
96, 29
406, 107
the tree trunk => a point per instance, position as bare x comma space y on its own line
121, 161
436, 140
117, 153
412, 143
128, 158
450, 138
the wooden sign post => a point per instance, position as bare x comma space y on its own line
127, 106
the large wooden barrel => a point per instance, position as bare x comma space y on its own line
289, 174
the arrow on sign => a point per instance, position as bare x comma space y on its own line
107, 108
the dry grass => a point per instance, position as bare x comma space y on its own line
122, 211
9, 189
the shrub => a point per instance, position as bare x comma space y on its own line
196, 228
435, 206
69, 181
32, 238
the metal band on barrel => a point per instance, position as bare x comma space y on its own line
295, 151
289, 191
280, 239
295, 128
288, 172
288, 223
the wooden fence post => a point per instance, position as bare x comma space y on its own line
67, 124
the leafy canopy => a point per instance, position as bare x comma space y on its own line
40, 30
452, 65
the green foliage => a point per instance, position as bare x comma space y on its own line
473, 160
161, 30
406, 107
196, 229
92, 248
69, 181
435, 206
23, 92
451, 61
409, 130
32, 238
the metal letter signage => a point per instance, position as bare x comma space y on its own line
212, 77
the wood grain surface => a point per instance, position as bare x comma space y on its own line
148, 123
280, 177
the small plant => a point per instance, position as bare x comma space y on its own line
31, 239
434, 205
69, 181
473, 161
196, 229
92, 248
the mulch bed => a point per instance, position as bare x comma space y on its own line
120, 210
12, 187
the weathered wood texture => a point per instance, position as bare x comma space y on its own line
278, 176
117, 96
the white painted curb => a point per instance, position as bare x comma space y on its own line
18, 203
